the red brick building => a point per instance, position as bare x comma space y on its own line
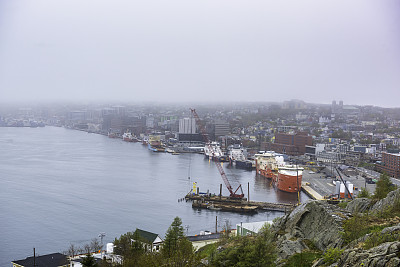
390, 164
290, 144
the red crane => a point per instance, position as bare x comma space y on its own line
233, 194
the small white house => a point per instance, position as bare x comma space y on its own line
151, 241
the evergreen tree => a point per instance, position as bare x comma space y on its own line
177, 250
89, 261
174, 233
383, 187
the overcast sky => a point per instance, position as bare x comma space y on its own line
201, 50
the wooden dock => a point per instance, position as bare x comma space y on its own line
237, 205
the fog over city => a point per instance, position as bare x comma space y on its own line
217, 51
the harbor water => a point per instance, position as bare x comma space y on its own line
60, 187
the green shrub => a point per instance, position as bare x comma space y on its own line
257, 250
332, 255
364, 193
302, 259
207, 251
310, 244
376, 238
358, 226
343, 204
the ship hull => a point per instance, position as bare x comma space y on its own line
288, 183
244, 164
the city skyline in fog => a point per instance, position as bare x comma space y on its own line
200, 51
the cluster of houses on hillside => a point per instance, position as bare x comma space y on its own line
152, 243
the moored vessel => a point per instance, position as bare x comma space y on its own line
213, 151
284, 177
127, 137
289, 178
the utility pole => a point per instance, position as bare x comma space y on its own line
248, 191
34, 258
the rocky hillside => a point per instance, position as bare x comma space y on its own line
365, 233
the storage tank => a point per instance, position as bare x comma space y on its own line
350, 187
337, 190
342, 190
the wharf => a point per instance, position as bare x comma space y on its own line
229, 204
310, 192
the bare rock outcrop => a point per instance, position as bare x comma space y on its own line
387, 202
359, 205
315, 221
386, 254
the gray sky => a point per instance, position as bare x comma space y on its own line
201, 50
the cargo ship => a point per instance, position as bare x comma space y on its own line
284, 177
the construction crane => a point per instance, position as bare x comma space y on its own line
233, 194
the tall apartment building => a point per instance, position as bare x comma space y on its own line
187, 126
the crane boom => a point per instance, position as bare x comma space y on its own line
233, 194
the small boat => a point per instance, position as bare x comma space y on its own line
175, 153
212, 207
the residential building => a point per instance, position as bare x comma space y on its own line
151, 241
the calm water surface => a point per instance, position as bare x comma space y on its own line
60, 186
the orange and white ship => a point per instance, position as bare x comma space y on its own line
285, 177
289, 178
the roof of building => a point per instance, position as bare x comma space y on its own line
254, 226
49, 260
203, 237
147, 236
